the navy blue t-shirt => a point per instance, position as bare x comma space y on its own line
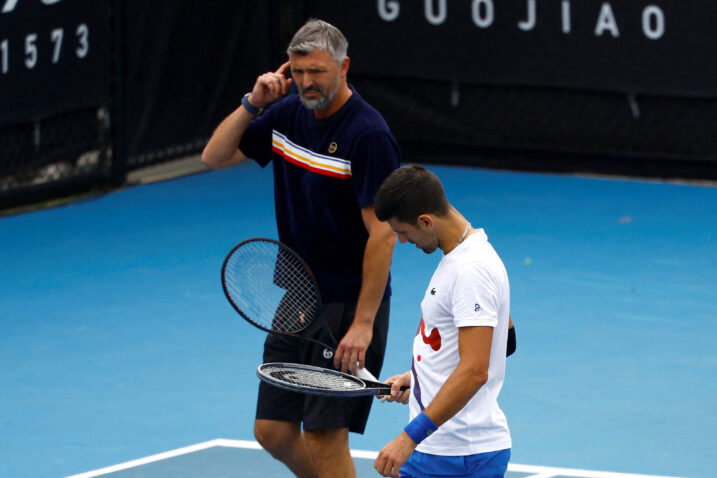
325, 171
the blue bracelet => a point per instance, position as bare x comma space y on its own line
420, 428
249, 107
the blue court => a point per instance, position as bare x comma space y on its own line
117, 343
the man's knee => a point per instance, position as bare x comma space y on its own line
330, 450
276, 437
327, 441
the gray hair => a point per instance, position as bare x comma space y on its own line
318, 34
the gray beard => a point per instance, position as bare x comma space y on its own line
321, 102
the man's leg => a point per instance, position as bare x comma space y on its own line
285, 442
330, 450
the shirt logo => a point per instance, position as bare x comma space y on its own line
333, 147
477, 307
433, 291
433, 339
328, 354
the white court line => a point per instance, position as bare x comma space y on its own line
547, 472
537, 471
170, 454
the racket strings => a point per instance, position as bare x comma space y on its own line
271, 286
313, 378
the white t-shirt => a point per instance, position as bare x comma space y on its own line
469, 288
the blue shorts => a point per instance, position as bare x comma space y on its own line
493, 464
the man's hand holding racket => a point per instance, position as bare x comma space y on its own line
352, 348
400, 388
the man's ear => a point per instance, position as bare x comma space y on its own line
425, 221
345, 66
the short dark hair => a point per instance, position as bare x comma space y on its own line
409, 192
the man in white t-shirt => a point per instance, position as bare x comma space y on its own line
459, 352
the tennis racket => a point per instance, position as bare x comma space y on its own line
274, 289
319, 381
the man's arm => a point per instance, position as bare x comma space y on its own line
222, 150
474, 344
376, 264
510, 349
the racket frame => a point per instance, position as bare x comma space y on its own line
362, 373
298, 258
366, 387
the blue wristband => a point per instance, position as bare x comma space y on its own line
249, 107
420, 428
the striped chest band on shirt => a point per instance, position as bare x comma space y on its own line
307, 159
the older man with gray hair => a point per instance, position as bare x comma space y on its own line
330, 151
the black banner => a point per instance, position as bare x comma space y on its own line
658, 47
55, 56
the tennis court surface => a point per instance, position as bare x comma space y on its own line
117, 343
242, 458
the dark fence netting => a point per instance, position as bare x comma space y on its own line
548, 128
54, 156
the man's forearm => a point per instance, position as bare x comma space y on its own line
455, 393
222, 149
469, 376
376, 265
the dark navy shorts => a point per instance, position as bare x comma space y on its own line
321, 413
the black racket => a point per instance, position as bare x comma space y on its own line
319, 381
274, 290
